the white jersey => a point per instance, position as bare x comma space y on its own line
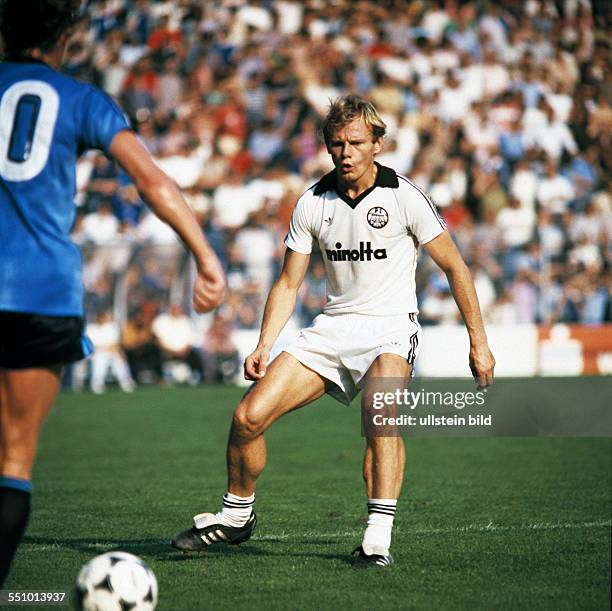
369, 244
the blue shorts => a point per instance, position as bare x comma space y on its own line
32, 340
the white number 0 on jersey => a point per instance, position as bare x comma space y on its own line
24, 160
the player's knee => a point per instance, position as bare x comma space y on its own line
248, 422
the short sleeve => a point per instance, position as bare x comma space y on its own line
300, 237
101, 120
422, 218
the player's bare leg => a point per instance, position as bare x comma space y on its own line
26, 396
383, 471
385, 457
383, 467
287, 385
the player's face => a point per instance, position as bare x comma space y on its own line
353, 149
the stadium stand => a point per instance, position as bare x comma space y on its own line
501, 112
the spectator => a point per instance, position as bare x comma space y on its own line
164, 35
551, 236
233, 203
587, 224
220, 356
108, 356
516, 224
257, 245
438, 308
101, 227
512, 142
488, 190
170, 86
138, 343
554, 191
139, 89
596, 301
502, 312
585, 255
315, 292
440, 190
175, 335
583, 176
524, 297
524, 185
552, 136
113, 75
266, 142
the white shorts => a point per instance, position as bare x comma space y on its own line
342, 347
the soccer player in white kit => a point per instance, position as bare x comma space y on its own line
368, 222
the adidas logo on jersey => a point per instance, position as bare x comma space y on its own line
365, 253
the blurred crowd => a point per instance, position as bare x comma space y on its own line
500, 111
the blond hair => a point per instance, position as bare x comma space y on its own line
347, 108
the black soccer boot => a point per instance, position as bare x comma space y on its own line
365, 561
207, 530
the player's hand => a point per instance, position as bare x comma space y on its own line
256, 363
208, 288
482, 364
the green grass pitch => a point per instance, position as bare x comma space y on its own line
483, 523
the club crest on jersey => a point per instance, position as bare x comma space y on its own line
377, 217
364, 253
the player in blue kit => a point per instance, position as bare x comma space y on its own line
46, 121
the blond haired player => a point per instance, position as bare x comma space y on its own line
368, 222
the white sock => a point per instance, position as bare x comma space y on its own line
236, 510
377, 536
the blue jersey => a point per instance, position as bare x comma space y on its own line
46, 121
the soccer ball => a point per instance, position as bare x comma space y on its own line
116, 581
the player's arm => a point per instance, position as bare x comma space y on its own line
166, 201
443, 251
278, 310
